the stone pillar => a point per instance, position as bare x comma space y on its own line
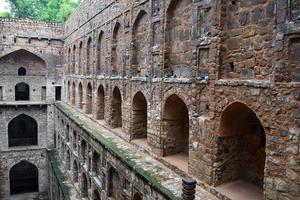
188, 189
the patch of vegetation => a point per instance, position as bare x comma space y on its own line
5, 14
54, 163
44, 10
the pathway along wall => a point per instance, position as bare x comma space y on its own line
93, 167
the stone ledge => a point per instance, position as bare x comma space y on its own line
24, 103
251, 83
29, 21
113, 147
61, 178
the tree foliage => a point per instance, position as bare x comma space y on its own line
45, 10
5, 14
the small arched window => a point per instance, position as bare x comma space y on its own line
21, 71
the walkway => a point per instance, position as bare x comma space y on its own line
165, 176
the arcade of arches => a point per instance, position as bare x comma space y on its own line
240, 145
150, 92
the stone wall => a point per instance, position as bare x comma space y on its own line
222, 53
38, 157
36, 47
94, 168
41, 43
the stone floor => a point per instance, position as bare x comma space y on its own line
25, 196
241, 190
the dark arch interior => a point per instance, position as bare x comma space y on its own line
139, 112
22, 131
137, 196
73, 59
68, 160
73, 98
83, 151
96, 163
21, 71
99, 53
114, 188
80, 58
89, 99
115, 41
139, 35
241, 146
69, 92
75, 172
117, 109
80, 94
89, 55
84, 186
178, 28
23, 178
22, 92
100, 103
96, 195
176, 126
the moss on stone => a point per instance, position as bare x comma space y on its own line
61, 178
149, 176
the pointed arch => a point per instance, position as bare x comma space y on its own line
83, 147
72, 71
22, 131
89, 99
114, 189
96, 163
116, 49
116, 108
100, 53
74, 140
23, 178
68, 160
80, 96
141, 44
89, 56
68, 92
75, 171
241, 143
80, 58
139, 116
96, 195
33, 63
84, 185
178, 37
100, 102
176, 126
69, 63
137, 196
73, 95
